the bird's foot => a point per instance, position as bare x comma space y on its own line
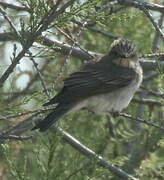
114, 114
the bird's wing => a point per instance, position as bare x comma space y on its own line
94, 81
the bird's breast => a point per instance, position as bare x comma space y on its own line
113, 101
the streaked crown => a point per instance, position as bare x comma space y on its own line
123, 48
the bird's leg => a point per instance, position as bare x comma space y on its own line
114, 114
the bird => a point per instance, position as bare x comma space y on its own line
104, 86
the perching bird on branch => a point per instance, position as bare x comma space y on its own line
104, 86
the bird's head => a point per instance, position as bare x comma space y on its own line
122, 48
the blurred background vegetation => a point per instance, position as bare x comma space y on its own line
136, 148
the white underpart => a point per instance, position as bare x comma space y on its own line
112, 102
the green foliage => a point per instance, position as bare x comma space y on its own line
136, 148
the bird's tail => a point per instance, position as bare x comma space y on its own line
51, 118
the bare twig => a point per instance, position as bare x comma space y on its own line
133, 3
150, 6
141, 120
44, 23
15, 61
37, 111
43, 111
29, 84
10, 23
154, 93
93, 29
17, 93
151, 65
149, 15
39, 74
152, 55
157, 35
149, 102
15, 7
76, 172
74, 41
65, 49
107, 5
14, 137
151, 76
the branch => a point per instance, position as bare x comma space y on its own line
142, 6
64, 48
152, 65
15, 61
38, 115
150, 6
153, 93
151, 76
149, 102
38, 111
10, 23
54, 12
74, 40
155, 43
12, 6
28, 85
13, 137
93, 29
91, 154
152, 55
149, 15
148, 65
149, 123
39, 74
